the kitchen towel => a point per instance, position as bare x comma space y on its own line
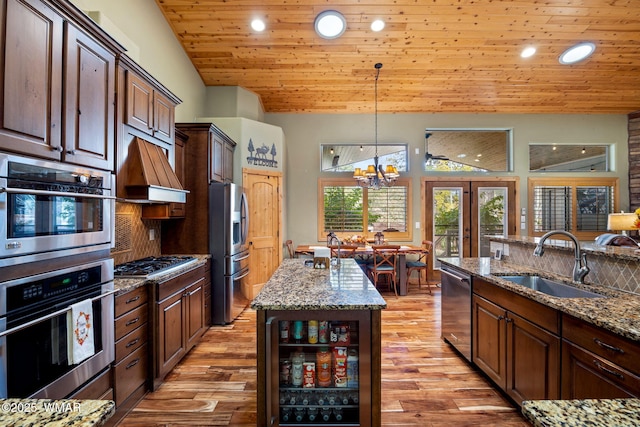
80, 332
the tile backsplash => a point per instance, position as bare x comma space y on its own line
132, 234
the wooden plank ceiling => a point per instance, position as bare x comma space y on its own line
438, 55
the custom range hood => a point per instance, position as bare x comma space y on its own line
149, 177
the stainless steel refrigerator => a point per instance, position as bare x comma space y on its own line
228, 228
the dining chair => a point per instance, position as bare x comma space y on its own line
384, 264
420, 264
346, 251
289, 245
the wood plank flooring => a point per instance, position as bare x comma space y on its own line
424, 382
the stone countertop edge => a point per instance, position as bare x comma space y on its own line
122, 286
586, 412
618, 313
617, 252
294, 286
55, 412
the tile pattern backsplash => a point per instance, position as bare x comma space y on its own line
619, 273
132, 234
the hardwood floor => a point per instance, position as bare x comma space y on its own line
424, 382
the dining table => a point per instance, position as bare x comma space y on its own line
366, 251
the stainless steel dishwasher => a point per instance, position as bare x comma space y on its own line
456, 309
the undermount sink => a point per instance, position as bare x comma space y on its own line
551, 287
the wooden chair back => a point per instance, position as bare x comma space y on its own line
346, 251
289, 245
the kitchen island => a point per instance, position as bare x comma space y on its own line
55, 413
346, 306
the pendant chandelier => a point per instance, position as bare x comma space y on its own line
376, 176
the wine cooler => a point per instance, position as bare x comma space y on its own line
318, 368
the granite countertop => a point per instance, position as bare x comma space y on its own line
588, 412
618, 313
55, 413
590, 248
295, 286
122, 286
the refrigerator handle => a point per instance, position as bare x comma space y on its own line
244, 217
273, 421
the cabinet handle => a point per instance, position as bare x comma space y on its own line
132, 364
608, 346
500, 318
607, 371
71, 152
508, 320
134, 299
57, 148
131, 322
132, 342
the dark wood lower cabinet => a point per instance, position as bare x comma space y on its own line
518, 354
179, 319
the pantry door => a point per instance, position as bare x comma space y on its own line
263, 191
460, 215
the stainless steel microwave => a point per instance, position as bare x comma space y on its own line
50, 209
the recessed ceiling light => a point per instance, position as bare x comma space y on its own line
258, 25
577, 53
377, 25
330, 24
528, 52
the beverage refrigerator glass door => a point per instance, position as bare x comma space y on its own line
35, 331
52, 209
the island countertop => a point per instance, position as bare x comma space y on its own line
55, 413
587, 412
295, 286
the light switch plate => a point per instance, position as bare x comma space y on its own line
152, 234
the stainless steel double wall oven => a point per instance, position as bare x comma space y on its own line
55, 235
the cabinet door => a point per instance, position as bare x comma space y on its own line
588, 376
89, 101
171, 339
139, 109
533, 361
163, 118
489, 339
228, 162
194, 321
216, 158
31, 113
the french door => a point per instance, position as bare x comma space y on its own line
460, 215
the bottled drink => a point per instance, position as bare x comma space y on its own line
312, 413
323, 367
286, 414
325, 413
312, 333
337, 412
352, 369
300, 413
284, 331
297, 371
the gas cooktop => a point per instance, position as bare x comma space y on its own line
147, 268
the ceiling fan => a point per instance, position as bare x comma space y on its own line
428, 156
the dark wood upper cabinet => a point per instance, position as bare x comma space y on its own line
58, 101
148, 110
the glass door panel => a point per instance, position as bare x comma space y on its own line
492, 216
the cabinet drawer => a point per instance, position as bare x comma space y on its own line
130, 300
130, 321
130, 373
178, 283
608, 345
130, 342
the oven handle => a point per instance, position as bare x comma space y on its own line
53, 193
50, 315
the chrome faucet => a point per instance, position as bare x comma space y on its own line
580, 268
331, 237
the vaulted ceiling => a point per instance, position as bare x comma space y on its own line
437, 55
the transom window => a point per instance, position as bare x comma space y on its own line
580, 206
348, 210
347, 157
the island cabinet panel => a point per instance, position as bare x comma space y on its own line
58, 90
296, 395
598, 364
519, 351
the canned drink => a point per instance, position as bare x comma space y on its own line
284, 331
309, 376
285, 372
323, 331
298, 327
312, 334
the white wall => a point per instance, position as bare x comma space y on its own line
142, 29
305, 132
